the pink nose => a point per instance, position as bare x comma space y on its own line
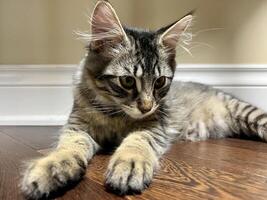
145, 106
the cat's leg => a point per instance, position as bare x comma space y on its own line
131, 168
222, 115
246, 119
208, 118
65, 164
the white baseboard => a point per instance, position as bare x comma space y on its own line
42, 94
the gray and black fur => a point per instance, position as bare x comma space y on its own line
124, 99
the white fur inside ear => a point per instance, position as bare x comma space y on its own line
172, 35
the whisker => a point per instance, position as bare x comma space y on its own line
203, 44
186, 50
207, 30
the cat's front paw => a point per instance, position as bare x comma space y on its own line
48, 174
128, 174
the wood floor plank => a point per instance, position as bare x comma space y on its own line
12, 153
189, 178
159, 189
223, 155
89, 189
255, 146
186, 177
213, 169
240, 177
38, 137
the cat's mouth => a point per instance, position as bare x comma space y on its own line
135, 113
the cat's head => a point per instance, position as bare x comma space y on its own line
132, 69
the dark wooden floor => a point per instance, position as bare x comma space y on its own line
222, 169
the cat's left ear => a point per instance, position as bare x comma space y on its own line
105, 26
170, 35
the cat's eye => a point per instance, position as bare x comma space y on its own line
160, 82
127, 82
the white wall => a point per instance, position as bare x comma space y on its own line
42, 94
41, 32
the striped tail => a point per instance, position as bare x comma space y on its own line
246, 119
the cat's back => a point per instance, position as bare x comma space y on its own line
184, 97
189, 91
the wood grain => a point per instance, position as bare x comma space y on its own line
12, 153
214, 169
37, 137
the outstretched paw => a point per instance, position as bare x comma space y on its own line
48, 174
130, 174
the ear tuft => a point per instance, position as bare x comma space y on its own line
170, 35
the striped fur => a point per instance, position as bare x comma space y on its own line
140, 122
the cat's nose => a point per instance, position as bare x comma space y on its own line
145, 106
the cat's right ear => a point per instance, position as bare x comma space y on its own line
169, 36
106, 29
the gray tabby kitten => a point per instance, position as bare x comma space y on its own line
123, 98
